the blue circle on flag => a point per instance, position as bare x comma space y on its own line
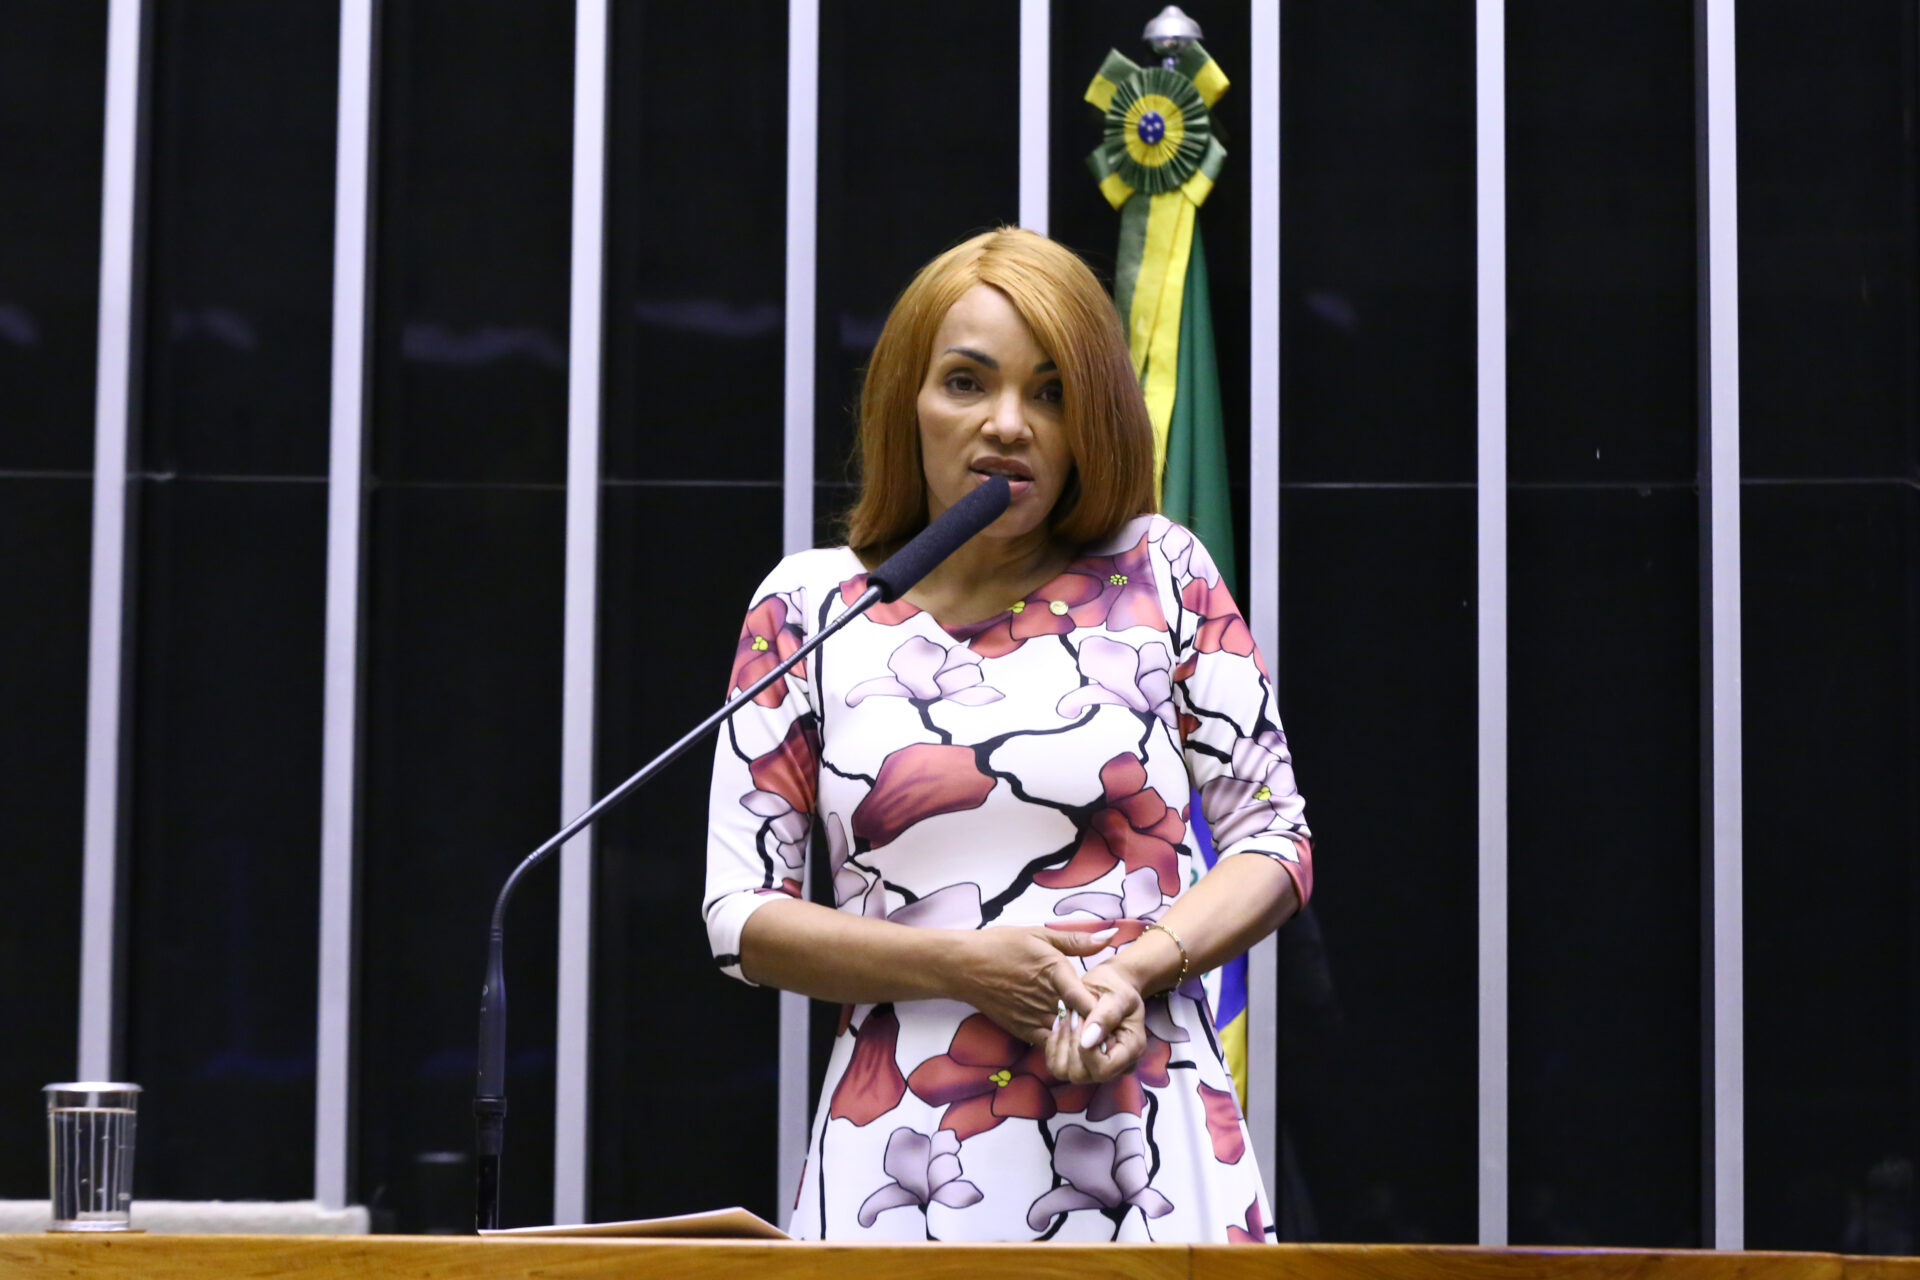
1152, 128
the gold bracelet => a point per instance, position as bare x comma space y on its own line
1185, 959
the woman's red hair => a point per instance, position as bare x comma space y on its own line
1075, 323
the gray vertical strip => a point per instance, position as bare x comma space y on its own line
803, 150
803, 147
1263, 127
1035, 93
1490, 168
572, 1148
333, 1082
106, 632
1725, 1103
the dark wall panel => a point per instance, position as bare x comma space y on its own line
43, 700
224, 880
53, 85
240, 237
1603, 867
462, 777
1832, 652
461, 756
1600, 242
1830, 442
696, 242
685, 1058
1377, 243
1603, 639
1829, 330
1377, 643
52, 94
474, 197
229, 520
1375, 675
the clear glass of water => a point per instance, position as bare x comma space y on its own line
90, 1154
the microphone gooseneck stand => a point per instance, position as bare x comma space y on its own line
940, 539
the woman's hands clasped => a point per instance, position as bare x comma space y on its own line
1106, 1041
1022, 977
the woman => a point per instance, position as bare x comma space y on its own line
1003, 762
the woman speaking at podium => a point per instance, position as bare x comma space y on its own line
1004, 762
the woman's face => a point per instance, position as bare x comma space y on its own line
991, 404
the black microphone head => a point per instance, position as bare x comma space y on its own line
941, 539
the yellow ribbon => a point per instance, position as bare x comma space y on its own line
1233, 1047
1153, 329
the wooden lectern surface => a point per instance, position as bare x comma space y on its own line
190, 1257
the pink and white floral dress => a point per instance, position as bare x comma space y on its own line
1033, 768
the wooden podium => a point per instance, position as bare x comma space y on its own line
188, 1257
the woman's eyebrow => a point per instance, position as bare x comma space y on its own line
1046, 366
971, 354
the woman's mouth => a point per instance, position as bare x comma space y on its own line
1019, 477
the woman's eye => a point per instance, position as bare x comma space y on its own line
961, 382
1053, 393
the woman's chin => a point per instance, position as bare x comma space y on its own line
1016, 524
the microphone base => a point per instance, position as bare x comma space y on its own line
490, 1135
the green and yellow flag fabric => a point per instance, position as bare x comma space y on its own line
1156, 164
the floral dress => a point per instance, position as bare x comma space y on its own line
1033, 768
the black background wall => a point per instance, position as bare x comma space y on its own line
229, 520
1831, 532
684, 1060
466, 421
52, 104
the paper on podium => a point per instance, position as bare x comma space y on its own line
715, 1224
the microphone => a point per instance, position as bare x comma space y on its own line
889, 582
942, 538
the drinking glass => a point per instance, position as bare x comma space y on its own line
90, 1154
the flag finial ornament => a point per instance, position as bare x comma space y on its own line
1170, 31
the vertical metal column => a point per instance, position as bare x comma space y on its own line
106, 622
572, 1147
1490, 171
1035, 91
1724, 1106
340, 739
803, 147
1263, 128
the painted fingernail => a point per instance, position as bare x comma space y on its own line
1104, 936
1090, 1036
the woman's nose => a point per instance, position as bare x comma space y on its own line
1006, 419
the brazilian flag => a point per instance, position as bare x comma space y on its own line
1156, 164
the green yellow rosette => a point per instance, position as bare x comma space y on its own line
1156, 163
